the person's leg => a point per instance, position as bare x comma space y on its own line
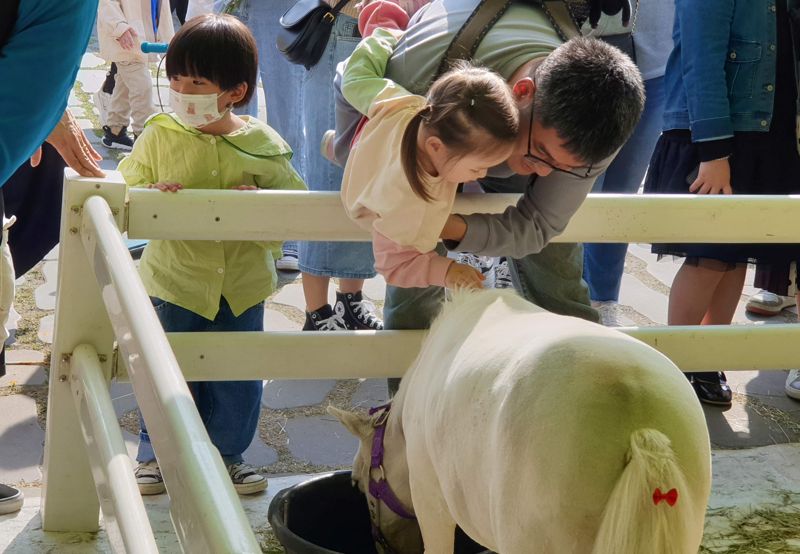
173, 318
702, 293
230, 409
140, 93
350, 262
552, 280
33, 195
604, 263
119, 114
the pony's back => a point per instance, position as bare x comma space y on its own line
532, 417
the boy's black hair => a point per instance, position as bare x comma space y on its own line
216, 47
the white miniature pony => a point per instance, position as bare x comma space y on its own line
536, 433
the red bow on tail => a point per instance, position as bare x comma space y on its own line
671, 496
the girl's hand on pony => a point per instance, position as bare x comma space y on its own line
714, 177
463, 276
244, 187
166, 187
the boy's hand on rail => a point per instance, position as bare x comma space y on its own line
244, 187
714, 177
463, 276
166, 187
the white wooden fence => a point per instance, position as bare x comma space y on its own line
106, 329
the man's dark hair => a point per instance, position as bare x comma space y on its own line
591, 94
219, 48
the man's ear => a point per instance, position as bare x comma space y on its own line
523, 91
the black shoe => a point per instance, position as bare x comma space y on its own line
358, 313
11, 499
712, 388
120, 141
325, 319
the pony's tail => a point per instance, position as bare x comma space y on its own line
650, 509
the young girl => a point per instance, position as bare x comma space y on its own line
729, 128
211, 285
401, 178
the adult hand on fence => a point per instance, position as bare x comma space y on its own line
71, 143
463, 276
714, 177
166, 187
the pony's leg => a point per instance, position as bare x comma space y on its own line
436, 524
438, 528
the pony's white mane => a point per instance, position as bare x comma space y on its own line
467, 304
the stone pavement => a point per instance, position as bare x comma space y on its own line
297, 437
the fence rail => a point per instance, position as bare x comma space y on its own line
106, 329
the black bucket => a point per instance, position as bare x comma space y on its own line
328, 515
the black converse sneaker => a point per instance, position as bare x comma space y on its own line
325, 319
358, 313
120, 140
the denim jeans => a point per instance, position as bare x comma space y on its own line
229, 409
550, 279
351, 260
604, 263
280, 79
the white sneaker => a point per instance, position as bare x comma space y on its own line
102, 101
792, 387
609, 312
768, 303
149, 479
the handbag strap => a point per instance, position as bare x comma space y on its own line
467, 39
340, 5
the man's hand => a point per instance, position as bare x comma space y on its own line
463, 276
128, 39
454, 229
71, 143
714, 177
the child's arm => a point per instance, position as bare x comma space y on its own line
109, 12
404, 266
363, 78
137, 167
281, 176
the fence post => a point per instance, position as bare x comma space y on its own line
69, 498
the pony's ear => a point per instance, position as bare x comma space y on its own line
358, 424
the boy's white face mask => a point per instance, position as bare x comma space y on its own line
196, 110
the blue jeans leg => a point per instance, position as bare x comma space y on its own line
348, 260
229, 409
604, 263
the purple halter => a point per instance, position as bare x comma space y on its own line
380, 489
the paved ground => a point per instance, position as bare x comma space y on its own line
297, 437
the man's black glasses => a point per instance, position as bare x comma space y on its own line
536, 159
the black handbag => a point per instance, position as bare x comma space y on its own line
304, 30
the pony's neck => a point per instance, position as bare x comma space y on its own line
395, 463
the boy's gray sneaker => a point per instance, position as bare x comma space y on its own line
11, 499
245, 479
149, 479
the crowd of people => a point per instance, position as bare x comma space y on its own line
703, 100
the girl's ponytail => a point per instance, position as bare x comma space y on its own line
409, 158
